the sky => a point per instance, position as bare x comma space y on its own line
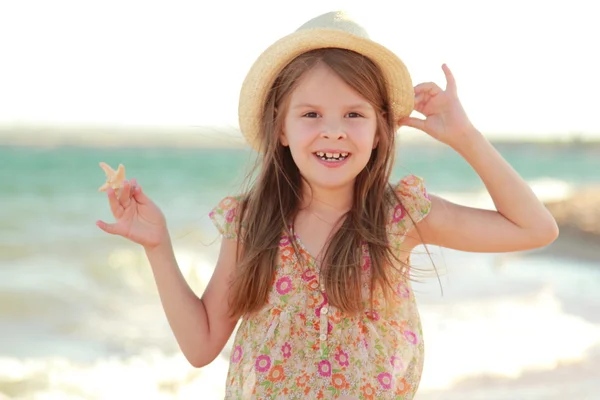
523, 68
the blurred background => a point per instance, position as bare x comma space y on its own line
154, 85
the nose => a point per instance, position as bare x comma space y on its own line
335, 132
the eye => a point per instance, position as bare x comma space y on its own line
311, 114
354, 115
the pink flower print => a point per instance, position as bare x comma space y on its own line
325, 368
396, 362
230, 215
425, 194
411, 337
385, 380
211, 214
372, 315
329, 327
402, 290
263, 363
398, 213
283, 285
237, 354
284, 241
342, 358
286, 350
308, 275
366, 263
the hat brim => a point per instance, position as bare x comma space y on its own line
269, 64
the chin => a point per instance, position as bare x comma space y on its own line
330, 184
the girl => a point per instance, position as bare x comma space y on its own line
315, 255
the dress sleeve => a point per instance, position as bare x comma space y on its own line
225, 217
414, 205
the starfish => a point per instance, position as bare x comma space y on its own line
114, 179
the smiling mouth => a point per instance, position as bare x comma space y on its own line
333, 157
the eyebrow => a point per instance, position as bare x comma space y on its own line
351, 106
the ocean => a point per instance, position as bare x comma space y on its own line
80, 317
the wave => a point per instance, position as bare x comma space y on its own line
109, 308
546, 189
502, 337
151, 375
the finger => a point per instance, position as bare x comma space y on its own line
139, 195
125, 195
420, 99
134, 185
429, 88
115, 206
113, 229
450, 81
421, 102
412, 122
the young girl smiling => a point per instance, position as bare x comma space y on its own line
315, 257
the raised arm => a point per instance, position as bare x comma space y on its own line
520, 221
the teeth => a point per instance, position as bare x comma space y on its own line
331, 156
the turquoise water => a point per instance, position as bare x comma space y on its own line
70, 292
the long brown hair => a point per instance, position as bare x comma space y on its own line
274, 197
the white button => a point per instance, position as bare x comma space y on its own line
322, 287
323, 336
324, 310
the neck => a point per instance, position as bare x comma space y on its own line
327, 201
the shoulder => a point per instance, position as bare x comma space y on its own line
413, 201
226, 215
410, 204
228, 203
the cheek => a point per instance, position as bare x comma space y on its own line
299, 137
367, 137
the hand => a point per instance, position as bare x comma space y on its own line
137, 217
445, 118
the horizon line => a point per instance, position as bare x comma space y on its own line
210, 135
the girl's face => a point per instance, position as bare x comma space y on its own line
329, 128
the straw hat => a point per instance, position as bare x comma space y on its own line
334, 29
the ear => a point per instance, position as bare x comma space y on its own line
375, 141
283, 139
377, 130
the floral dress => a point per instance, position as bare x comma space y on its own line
298, 346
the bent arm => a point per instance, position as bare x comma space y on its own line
201, 325
521, 221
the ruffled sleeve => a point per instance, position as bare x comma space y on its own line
225, 217
414, 205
